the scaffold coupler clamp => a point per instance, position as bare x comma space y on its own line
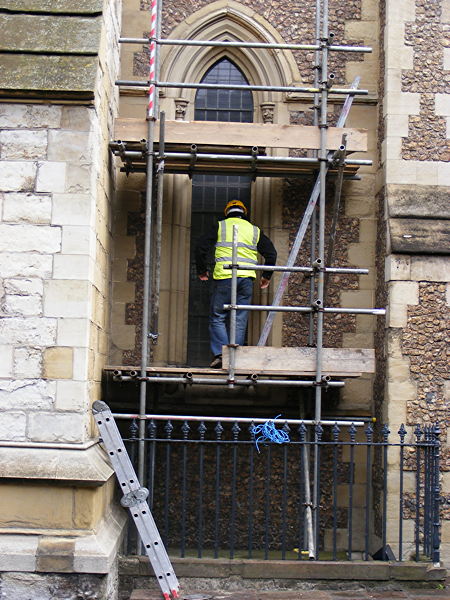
317, 305
153, 337
188, 379
135, 497
317, 265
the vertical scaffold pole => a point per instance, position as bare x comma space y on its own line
151, 108
323, 125
158, 236
317, 69
233, 312
151, 112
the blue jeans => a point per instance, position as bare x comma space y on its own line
221, 294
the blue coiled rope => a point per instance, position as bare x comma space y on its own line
267, 432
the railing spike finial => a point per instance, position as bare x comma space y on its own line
369, 432
219, 430
134, 428
235, 430
185, 429
418, 432
168, 428
202, 430
302, 432
151, 429
319, 431
336, 431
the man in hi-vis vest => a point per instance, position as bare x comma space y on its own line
251, 240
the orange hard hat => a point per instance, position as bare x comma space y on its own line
235, 205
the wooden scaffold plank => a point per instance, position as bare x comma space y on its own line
263, 135
337, 362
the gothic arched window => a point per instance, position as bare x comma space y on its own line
210, 193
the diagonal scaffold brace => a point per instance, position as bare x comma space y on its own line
135, 499
303, 226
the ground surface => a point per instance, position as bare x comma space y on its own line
415, 594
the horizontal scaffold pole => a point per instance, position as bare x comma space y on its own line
223, 86
306, 309
225, 381
200, 419
136, 154
268, 45
298, 269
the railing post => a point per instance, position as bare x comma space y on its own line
435, 555
335, 433
201, 472
402, 434
168, 429
185, 429
385, 433
351, 482
369, 441
418, 433
151, 430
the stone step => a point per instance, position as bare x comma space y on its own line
241, 595
332, 594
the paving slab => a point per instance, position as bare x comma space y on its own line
295, 595
436, 593
427, 594
386, 595
348, 594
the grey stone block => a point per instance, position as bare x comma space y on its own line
23, 73
418, 201
420, 236
54, 6
49, 33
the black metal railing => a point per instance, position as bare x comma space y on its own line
216, 490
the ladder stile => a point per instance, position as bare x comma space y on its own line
135, 499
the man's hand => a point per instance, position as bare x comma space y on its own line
264, 283
204, 276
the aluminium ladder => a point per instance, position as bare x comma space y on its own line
135, 499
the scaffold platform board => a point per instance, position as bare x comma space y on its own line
239, 148
275, 362
262, 135
336, 362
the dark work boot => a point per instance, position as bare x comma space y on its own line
217, 362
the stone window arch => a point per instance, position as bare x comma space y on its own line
227, 21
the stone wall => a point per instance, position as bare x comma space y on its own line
56, 186
413, 186
49, 48
48, 257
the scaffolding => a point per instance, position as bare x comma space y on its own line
142, 157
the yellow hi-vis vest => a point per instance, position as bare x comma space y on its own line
248, 237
